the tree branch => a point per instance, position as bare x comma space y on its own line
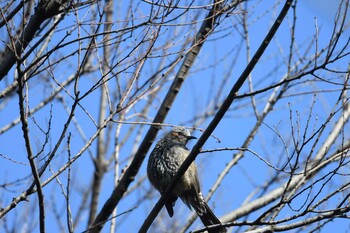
217, 118
25, 129
45, 9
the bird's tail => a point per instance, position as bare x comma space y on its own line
208, 218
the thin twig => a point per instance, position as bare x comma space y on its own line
25, 129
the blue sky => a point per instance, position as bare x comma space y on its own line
195, 95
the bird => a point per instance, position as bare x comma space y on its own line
163, 163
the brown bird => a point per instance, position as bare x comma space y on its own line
164, 161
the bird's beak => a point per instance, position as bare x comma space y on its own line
191, 137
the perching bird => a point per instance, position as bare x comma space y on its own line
164, 161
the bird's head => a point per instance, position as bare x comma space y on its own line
180, 134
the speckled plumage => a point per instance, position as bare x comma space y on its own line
165, 159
